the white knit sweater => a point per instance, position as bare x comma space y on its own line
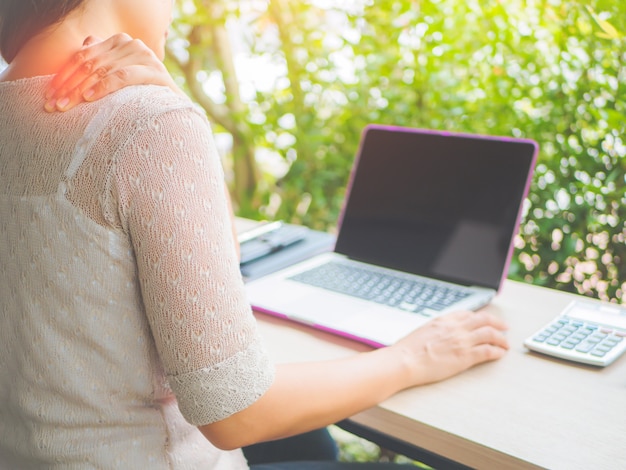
123, 316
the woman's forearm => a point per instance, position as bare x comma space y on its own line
307, 396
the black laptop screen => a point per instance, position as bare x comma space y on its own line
436, 204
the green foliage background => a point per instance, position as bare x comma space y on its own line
550, 70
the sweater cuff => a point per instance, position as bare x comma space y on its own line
214, 393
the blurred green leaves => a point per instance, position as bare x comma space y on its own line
312, 74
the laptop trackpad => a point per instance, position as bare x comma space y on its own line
354, 317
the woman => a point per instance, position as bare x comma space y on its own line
125, 336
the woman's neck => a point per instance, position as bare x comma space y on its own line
40, 57
47, 52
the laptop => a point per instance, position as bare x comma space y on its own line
427, 227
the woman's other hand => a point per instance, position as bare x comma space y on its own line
451, 344
102, 67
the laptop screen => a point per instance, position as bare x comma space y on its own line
436, 204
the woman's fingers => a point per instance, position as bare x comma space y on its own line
491, 336
487, 352
484, 329
94, 62
102, 67
79, 66
128, 75
478, 319
452, 343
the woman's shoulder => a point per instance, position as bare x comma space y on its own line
151, 100
150, 109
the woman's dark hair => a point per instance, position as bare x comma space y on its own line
20, 20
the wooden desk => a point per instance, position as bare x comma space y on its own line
524, 411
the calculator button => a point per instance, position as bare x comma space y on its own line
598, 353
540, 338
585, 347
621, 334
568, 345
554, 342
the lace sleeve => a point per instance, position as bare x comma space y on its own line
171, 201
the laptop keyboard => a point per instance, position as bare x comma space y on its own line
403, 292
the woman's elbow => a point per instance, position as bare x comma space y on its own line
226, 438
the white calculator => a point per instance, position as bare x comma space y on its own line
588, 332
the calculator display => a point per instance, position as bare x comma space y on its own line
601, 314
